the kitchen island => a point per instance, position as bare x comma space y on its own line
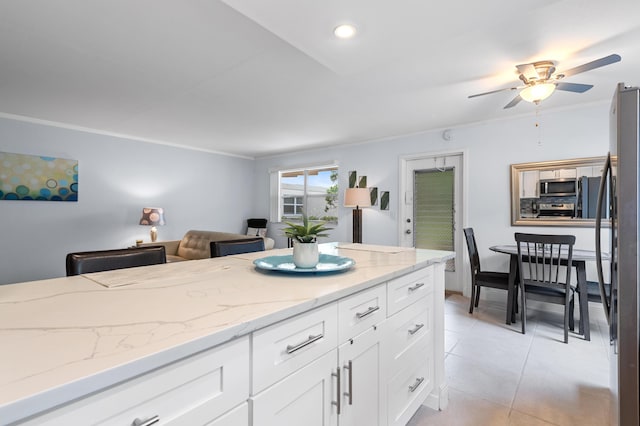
200, 341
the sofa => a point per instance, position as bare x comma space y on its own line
196, 244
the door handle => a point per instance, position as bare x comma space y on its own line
292, 348
337, 403
605, 302
349, 393
415, 329
416, 384
369, 311
150, 421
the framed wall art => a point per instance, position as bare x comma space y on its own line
37, 178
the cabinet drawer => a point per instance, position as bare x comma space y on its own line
403, 291
360, 311
203, 386
408, 329
409, 388
285, 347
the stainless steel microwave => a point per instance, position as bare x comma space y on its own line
558, 187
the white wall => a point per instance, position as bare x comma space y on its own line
490, 148
117, 177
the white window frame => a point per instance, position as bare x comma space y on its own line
276, 197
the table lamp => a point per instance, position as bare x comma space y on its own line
152, 216
357, 197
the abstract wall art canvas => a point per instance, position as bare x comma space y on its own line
37, 178
373, 193
353, 176
384, 200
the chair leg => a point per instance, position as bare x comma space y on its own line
477, 296
523, 314
473, 297
572, 321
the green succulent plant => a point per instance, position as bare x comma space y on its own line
307, 232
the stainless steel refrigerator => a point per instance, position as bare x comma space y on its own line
619, 191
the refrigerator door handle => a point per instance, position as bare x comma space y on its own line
606, 303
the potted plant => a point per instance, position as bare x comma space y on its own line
305, 244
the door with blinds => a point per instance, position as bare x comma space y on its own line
433, 209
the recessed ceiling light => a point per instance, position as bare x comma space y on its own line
344, 31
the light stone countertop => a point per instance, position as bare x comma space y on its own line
63, 338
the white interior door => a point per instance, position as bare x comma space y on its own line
433, 209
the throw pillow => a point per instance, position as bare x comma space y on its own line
257, 232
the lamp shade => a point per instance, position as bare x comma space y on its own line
537, 92
152, 216
357, 197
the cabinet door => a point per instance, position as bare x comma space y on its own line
362, 402
530, 184
307, 397
547, 174
567, 173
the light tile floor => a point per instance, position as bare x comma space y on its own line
498, 376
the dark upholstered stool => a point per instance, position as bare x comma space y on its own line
107, 260
246, 245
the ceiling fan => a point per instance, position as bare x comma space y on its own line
540, 80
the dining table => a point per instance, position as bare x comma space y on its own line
579, 260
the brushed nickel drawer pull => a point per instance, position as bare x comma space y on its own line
150, 421
415, 329
415, 287
417, 383
349, 367
369, 311
338, 396
292, 348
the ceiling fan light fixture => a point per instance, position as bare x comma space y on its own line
537, 92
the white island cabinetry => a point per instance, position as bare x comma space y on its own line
225, 344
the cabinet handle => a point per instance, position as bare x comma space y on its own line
338, 397
292, 348
349, 367
415, 329
150, 421
415, 287
417, 383
369, 311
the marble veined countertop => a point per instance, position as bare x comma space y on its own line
63, 338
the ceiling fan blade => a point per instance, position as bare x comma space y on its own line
493, 91
529, 71
607, 60
573, 87
513, 102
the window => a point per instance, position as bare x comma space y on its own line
310, 190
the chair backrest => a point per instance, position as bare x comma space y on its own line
257, 227
474, 259
228, 247
540, 258
107, 260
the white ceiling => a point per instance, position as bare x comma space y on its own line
260, 77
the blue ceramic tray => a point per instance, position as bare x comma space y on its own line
327, 263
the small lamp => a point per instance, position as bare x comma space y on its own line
357, 197
153, 216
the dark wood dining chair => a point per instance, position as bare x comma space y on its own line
541, 260
480, 278
106, 260
229, 247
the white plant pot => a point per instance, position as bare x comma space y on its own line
305, 255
